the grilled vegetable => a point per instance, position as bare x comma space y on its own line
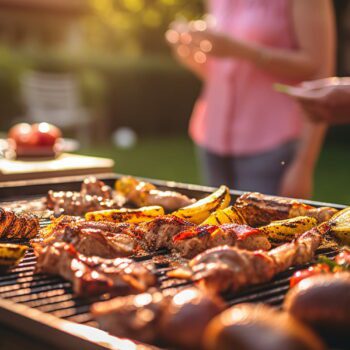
10, 254
287, 230
201, 210
340, 225
229, 215
126, 215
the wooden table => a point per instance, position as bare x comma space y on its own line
64, 165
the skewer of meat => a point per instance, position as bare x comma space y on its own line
259, 209
94, 275
17, 225
227, 269
165, 231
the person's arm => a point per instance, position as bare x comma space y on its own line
313, 20
311, 17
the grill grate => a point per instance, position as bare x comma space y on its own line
54, 295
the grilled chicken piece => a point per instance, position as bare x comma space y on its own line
196, 240
177, 320
258, 327
17, 225
227, 269
159, 232
94, 275
143, 193
259, 209
94, 195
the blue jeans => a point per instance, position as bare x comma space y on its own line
261, 173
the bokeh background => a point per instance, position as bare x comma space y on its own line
135, 94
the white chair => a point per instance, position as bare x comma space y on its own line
54, 98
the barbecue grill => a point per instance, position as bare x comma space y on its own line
39, 304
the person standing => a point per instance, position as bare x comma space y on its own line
249, 136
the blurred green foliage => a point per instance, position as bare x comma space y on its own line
135, 26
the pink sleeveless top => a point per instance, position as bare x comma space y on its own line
239, 113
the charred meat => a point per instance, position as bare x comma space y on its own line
159, 233
227, 269
198, 239
104, 239
17, 225
94, 275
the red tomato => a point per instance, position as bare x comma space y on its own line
311, 271
45, 134
21, 133
36, 135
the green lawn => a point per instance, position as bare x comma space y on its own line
173, 158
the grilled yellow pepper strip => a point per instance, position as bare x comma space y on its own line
10, 253
200, 210
287, 230
228, 215
126, 215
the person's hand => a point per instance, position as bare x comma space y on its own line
297, 181
326, 100
213, 43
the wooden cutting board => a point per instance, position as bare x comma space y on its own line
64, 165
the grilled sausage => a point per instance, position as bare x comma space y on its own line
258, 327
322, 301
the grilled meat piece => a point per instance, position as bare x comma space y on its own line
196, 240
17, 225
159, 233
258, 327
143, 193
94, 195
259, 209
104, 239
227, 269
96, 242
94, 275
177, 320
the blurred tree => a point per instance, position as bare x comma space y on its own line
135, 26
